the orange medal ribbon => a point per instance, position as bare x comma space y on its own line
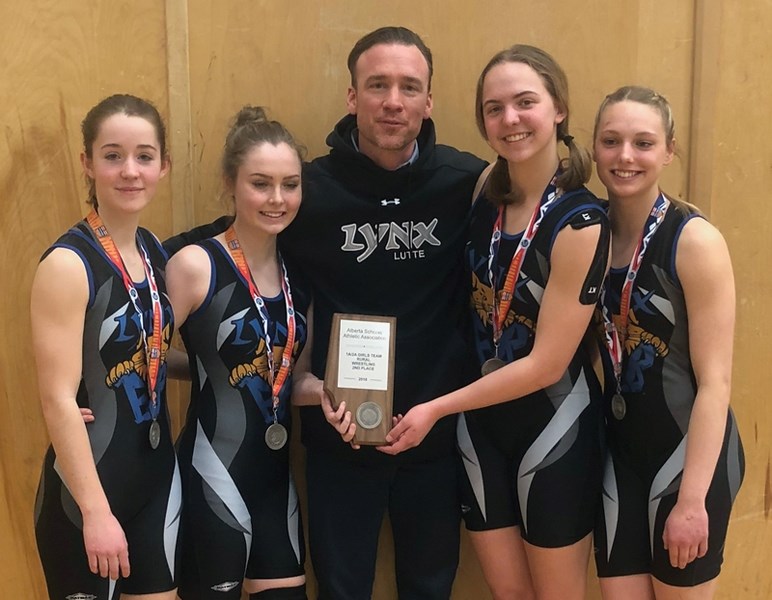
276, 378
152, 352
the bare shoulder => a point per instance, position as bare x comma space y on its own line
703, 264
188, 273
61, 276
700, 247
699, 235
191, 260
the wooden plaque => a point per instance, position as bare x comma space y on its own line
360, 371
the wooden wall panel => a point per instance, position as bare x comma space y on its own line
736, 172
201, 60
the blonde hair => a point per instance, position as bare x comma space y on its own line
648, 97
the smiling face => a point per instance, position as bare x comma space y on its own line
519, 115
126, 163
631, 149
390, 99
267, 190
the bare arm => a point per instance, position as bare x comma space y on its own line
58, 307
188, 274
306, 387
705, 271
308, 390
563, 320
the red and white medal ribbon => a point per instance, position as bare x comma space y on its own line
616, 337
503, 301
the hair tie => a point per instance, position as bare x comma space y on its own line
567, 139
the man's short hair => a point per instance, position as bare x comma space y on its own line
388, 35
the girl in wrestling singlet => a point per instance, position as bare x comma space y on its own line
242, 313
675, 460
530, 432
109, 497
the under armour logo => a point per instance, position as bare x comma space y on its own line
386, 202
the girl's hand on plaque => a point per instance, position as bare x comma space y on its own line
340, 419
88, 416
410, 430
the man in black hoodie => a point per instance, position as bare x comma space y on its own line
381, 230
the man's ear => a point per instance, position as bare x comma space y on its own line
351, 100
429, 106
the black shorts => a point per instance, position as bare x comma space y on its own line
236, 529
528, 465
151, 533
637, 502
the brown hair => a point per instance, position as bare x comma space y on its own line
118, 104
648, 97
388, 35
251, 127
577, 168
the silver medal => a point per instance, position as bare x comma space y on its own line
618, 407
369, 415
154, 434
491, 365
276, 436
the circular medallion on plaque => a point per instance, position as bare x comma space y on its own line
369, 415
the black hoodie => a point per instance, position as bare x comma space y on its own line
373, 241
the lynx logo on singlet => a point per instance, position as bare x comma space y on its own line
225, 587
405, 240
80, 596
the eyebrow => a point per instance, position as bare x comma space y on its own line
258, 174
637, 133
114, 145
516, 96
407, 78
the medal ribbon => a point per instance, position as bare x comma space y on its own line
499, 312
152, 353
275, 379
615, 338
